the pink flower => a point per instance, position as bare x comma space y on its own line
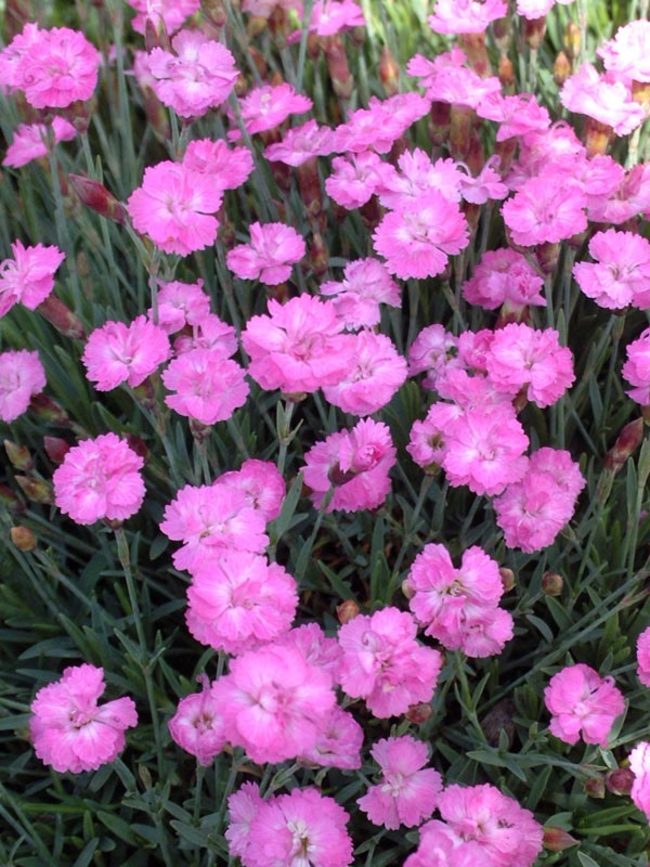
99, 479
172, 13
417, 240
21, 377
466, 16
30, 141
316, 647
544, 211
627, 55
12, 55
197, 726
274, 703
355, 179
273, 249
54, 68
208, 386
339, 743
262, 485
621, 273
643, 657
264, 8
447, 79
211, 334
606, 101
504, 276
228, 168
365, 286
517, 115
210, 519
173, 206
243, 807
427, 441
534, 9
640, 766
636, 369
301, 143
486, 185
384, 664
70, 732
486, 631
375, 375
329, 17
449, 849
240, 602
378, 127
408, 792
268, 106
28, 278
581, 702
432, 350
181, 304
117, 353
354, 464
298, 347
417, 176
199, 76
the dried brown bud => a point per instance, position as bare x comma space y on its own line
94, 195
620, 781
19, 456
407, 590
500, 719
419, 713
347, 611
506, 72
508, 579
595, 788
627, 442
557, 839
552, 584
23, 538
597, 137
561, 69
36, 490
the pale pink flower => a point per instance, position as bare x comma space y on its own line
544, 211
298, 347
264, 8
366, 285
630, 198
316, 647
268, 106
354, 465
426, 445
28, 278
385, 665
379, 126
274, 703
30, 141
212, 334
11, 56
70, 731
227, 167
517, 115
621, 273
504, 276
432, 351
418, 175
117, 353
172, 13
534, 9
339, 743
447, 79
582, 703
375, 375
606, 101
199, 76
417, 240
243, 806
329, 17
208, 387
21, 377
636, 369
643, 657
197, 725
273, 249
486, 185
449, 849
627, 55
99, 479
181, 304
262, 485
466, 16
301, 143
640, 767
355, 179
408, 792
174, 206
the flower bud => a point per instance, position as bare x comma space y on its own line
620, 781
419, 713
347, 611
595, 787
10, 501
572, 40
17, 14
547, 257
155, 34
557, 839
388, 71
215, 11
94, 195
561, 69
627, 442
56, 449
318, 255
552, 584
19, 456
338, 68
23, 538
506, 73
597, 137
49, 411
36, 490
507, 579
407, 590
534, 30
61, 317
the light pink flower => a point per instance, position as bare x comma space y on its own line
640, 767
70, 731
197, 726
181, 304
408, 792
486, 185
208, 387
636, 369
301, 143
621, 273
268, 106
379, 126
243, 806
21, 377
365, 286
117, 353
643, 657
449, 848
212, 334
426, 445
607, 101
316, 647
416, 176
465, 16
448, 79
28, 278
355, 179
432, 351
261, 483
227, 167
298, 347
99, 479
504, 276
582, 703
174, 207
534, 9
11, 56
273, 249
627, 55
172, 13
544, 211
200, 75
329, 17
339, 743
30, 141
354, 464
385, 665
517, 115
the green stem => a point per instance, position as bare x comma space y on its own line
284, 432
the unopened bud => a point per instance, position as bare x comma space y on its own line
626, 444
506, 72
407, 590
17, 14
620, 781
419, 713
572, 40
94, 195
48, 410
548, 256
318, 255
138, 445
595, 788
388, 71
507, 579
215, 11
61, 317
19, 456
338, 67
23, 538
10, 501
56, 449
597, 137
557, 839
561, 69
534, 30
155, 34
145, 776
552, 584
36, 490
347, 611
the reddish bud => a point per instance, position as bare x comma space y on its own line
48, 410
318, 255
627, 442
139, 446
595, 788
215, 11
506, 73
620, 781
552, 584
10, 501
388, 71
61, 317
19, 456
155, 34
94, 195
419, 713
56, 449
473, 44
338, 68
507, 579
557, 839
23, 538
534, 30
561, 69
17, 14
347, 611
547, 257
36, 490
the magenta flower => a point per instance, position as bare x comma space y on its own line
378, 127
504, 276
197, 725
339, 743
301, 143
181, 304
355, 179
607, 101
640, 766
262, 485
268, 106
172, 13
621, 273
636, 369
627, 55
174, 207
534, 9
417, 176
517, 115
264, 8
30, 141
273, 249
447, 79
582, 703
408, 792
316, 647
545, 211
643, 657
486, 185
211, 334
329, 17
365, 286
28, 278
432, 351
451, 850
208, 387
228, 168
426, 445
466, 16
21, 377
117, 353
70, 732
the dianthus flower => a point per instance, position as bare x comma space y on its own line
418, 175
174, 207
181, 304
504, 276
486, 185
273, 249
227, 167
274, 703
636, 369
329, 17
172, 13
117, 353
268, 106
621, 273
517, 115
508, 834
465, 16
627, 55
606, 101
640, 767
408, 792
70, 732
301, 143
355, 179
643, 657
54, 68
438, 841
339, 743
379, 126
30, 141
629, 198
417, 240
426, 444
316, 648
264, 8
366, 284
376, 372
431, 351
354, 465
544, 211
384, 664
28, 278
208, 387
21, 377
447, 79
582, 703
210, 519
240, 602
197, 725
532, 511
99, 479
199, 76
261, 483
298, 347
211, 334
243, 806
534, 9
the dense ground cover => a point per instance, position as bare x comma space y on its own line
393, 438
